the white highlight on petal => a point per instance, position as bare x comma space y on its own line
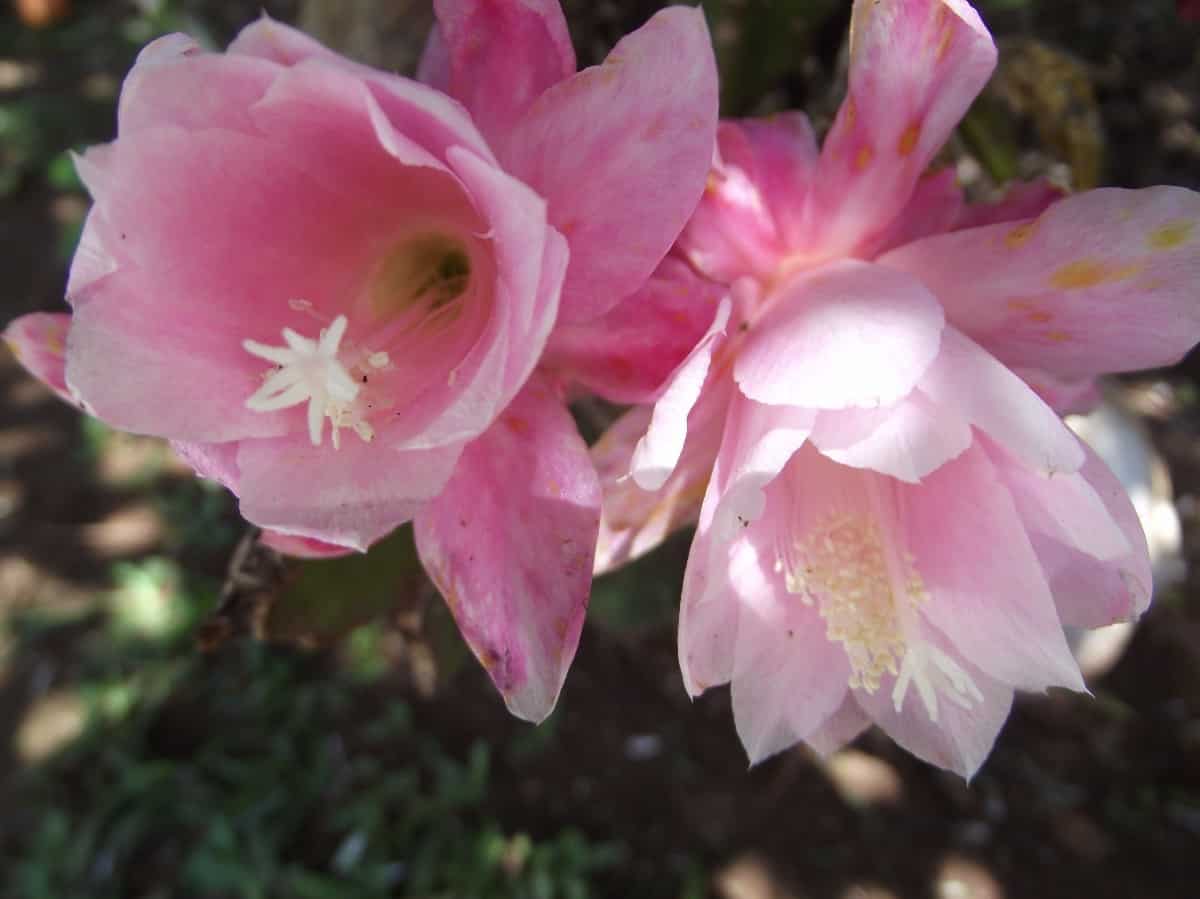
309, 371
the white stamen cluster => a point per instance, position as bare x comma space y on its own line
309, 371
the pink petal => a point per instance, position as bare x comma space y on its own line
628, 353
1089, 592
1100, 282
302, 547
635, 521
174, 82
1063, 506
529, 268
839, 729
621, 151
936, 206
658, 451
987, 593
39, 343
1022, 200
510, 544
908, 440
500, 57
915, 67
350, 496
846, 334
757, 186
962, 737
788, 677
139, 371
758, 441
215, 461
967, 382
274, 41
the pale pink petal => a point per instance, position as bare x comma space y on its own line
908, 440
274, 41
215, 461
788, 677
658, 451
1100, 282
621, 151
846, 334
840, 728
1063, 506
1089, 592
500, 57
1022, 200
39, 343
962, 737
174, 82
915, 67
757, 442
755, 191
986, 590
510, 543
302, 547
350, 496
628, 353
634, 520
969, 383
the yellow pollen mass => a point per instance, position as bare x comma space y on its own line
1084, 273
842, 567
1170, 235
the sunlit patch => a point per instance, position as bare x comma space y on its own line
1084, 273
1171, 235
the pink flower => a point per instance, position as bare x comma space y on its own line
894, 527
331, 288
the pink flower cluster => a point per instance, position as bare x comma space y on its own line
357, 300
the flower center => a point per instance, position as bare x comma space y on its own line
422, 275
868, 594
310, 371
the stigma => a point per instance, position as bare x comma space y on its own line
310, 371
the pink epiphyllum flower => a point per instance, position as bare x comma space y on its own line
330, 287
892, 525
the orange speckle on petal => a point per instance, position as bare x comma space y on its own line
1019, 236
1170, 235
944, 43
1058, 336
908, 140
516, 425
1040, 316
1084, 273
851, 112
863, 158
